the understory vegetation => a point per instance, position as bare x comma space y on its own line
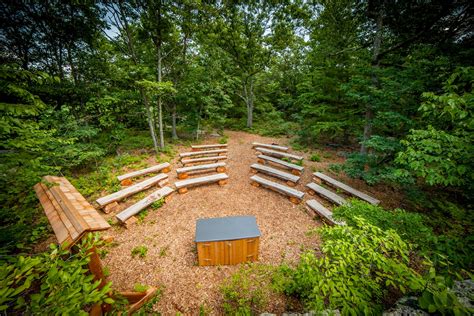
89, 88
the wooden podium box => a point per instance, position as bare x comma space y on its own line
227, 240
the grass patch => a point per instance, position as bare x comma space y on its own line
315, 158
140, 251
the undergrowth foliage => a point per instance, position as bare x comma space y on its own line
52, 283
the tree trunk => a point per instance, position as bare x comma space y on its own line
174, 134
160, 107
369, 110
249, 99
151, 123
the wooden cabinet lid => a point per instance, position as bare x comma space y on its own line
226, 228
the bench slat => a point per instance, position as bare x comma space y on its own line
346, 188
278, 187
208, 146
202, 153
140, 205
141, 172
204, 159
275, 172
201, 180
277, 147
283, 163
200, 167
119, 195
331, 196
322, 211
278, 154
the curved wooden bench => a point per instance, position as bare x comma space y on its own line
294, 195
270, 146
203, 153
295, 169
206, 146
160, 179
182, 186
68, 212
278, 154
321, 176
183, 173
143, 203
290, 179
322, 212
164, 167
329, 195
204, 159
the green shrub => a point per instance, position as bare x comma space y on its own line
315, 157
248, 291
360, 268
140, 251
410, 226
53, 283
138, 287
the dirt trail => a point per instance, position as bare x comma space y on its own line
169, 234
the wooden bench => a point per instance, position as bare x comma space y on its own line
278, 154
290, 179
183, 173
329, 195
204, 159
294, 195
322, 212
208, 146
182, 186
71, 217
203, 153
164, 167
160, 179
271, 146
321, 176
68, 212
295, 169
126, 214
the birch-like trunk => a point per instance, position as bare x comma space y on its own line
174, 134
249, 100
160, 107
369, 110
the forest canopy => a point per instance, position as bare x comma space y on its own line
386, 83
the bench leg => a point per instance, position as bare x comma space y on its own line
168, 198
311, 192
222, 182
220, 169
111, 207
182, 190
261, 161
294, 200
126, 182
162, 183
183, 176
130, 222
296, 172
166, 170
255, 184
317, 180
253, 171
290, 184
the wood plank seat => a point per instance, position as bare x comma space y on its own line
203, 153
327, 194
346, 188
164, 167
207, 146
160, 179
270, 146
68, 212
295, 169
182, 186
290, 178
143, 203
323, 212
294, 195
184, 172
204, 159
278, 154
